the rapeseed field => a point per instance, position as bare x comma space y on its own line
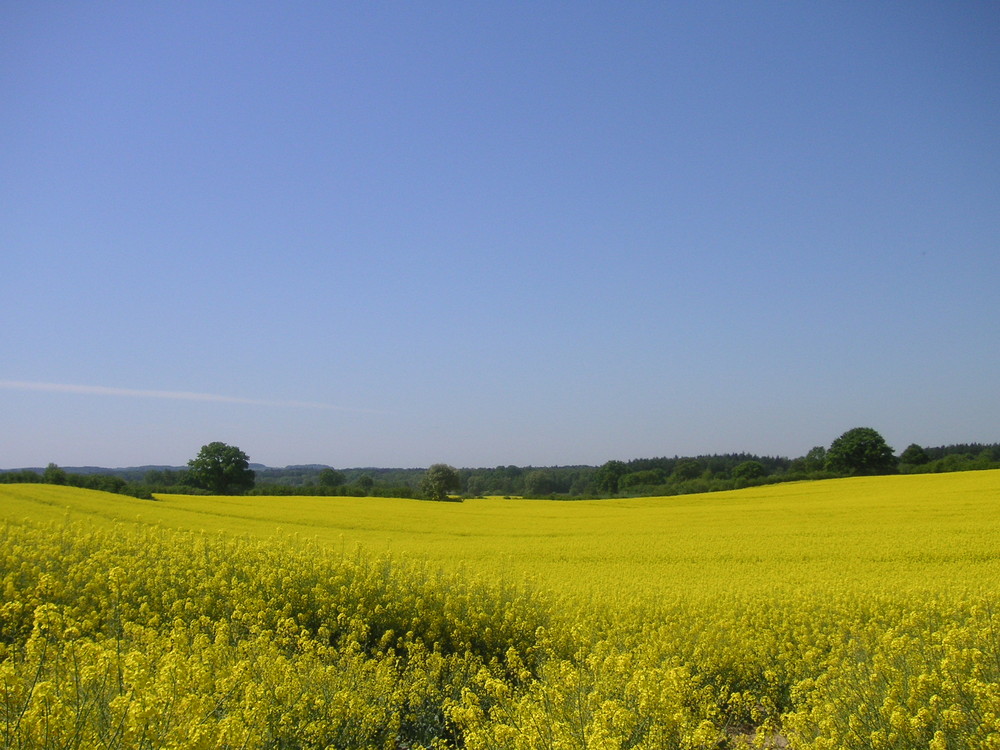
851, 613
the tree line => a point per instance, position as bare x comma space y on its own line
222, 469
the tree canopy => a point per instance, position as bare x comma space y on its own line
221, 469
609, 475
330, 478
639, 476
859, 452
749, 470
439, 480
914, 455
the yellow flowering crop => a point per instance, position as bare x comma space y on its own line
853, 613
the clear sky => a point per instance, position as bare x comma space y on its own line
392, 234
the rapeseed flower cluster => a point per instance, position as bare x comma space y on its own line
850, 614
162, 639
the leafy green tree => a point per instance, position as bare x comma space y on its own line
365, 482
861, 451
914, 455
439, 480
330, 478
608, 477
749, 470
644, 478
815, 459
687, 468
540, 482
164, 478
476, 485
54, 475
221, 469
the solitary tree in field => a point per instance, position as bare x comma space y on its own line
221, 469
439, 480
861, 451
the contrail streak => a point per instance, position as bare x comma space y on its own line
100, 390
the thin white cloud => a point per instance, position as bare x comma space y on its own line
100, 390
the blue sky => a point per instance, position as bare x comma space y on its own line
392, 234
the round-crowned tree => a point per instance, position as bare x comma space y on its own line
439, 480
860, 452
914, 455
221, 469
749, 470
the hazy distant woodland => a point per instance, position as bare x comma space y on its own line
633, 478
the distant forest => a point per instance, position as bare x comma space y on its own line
634, 478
